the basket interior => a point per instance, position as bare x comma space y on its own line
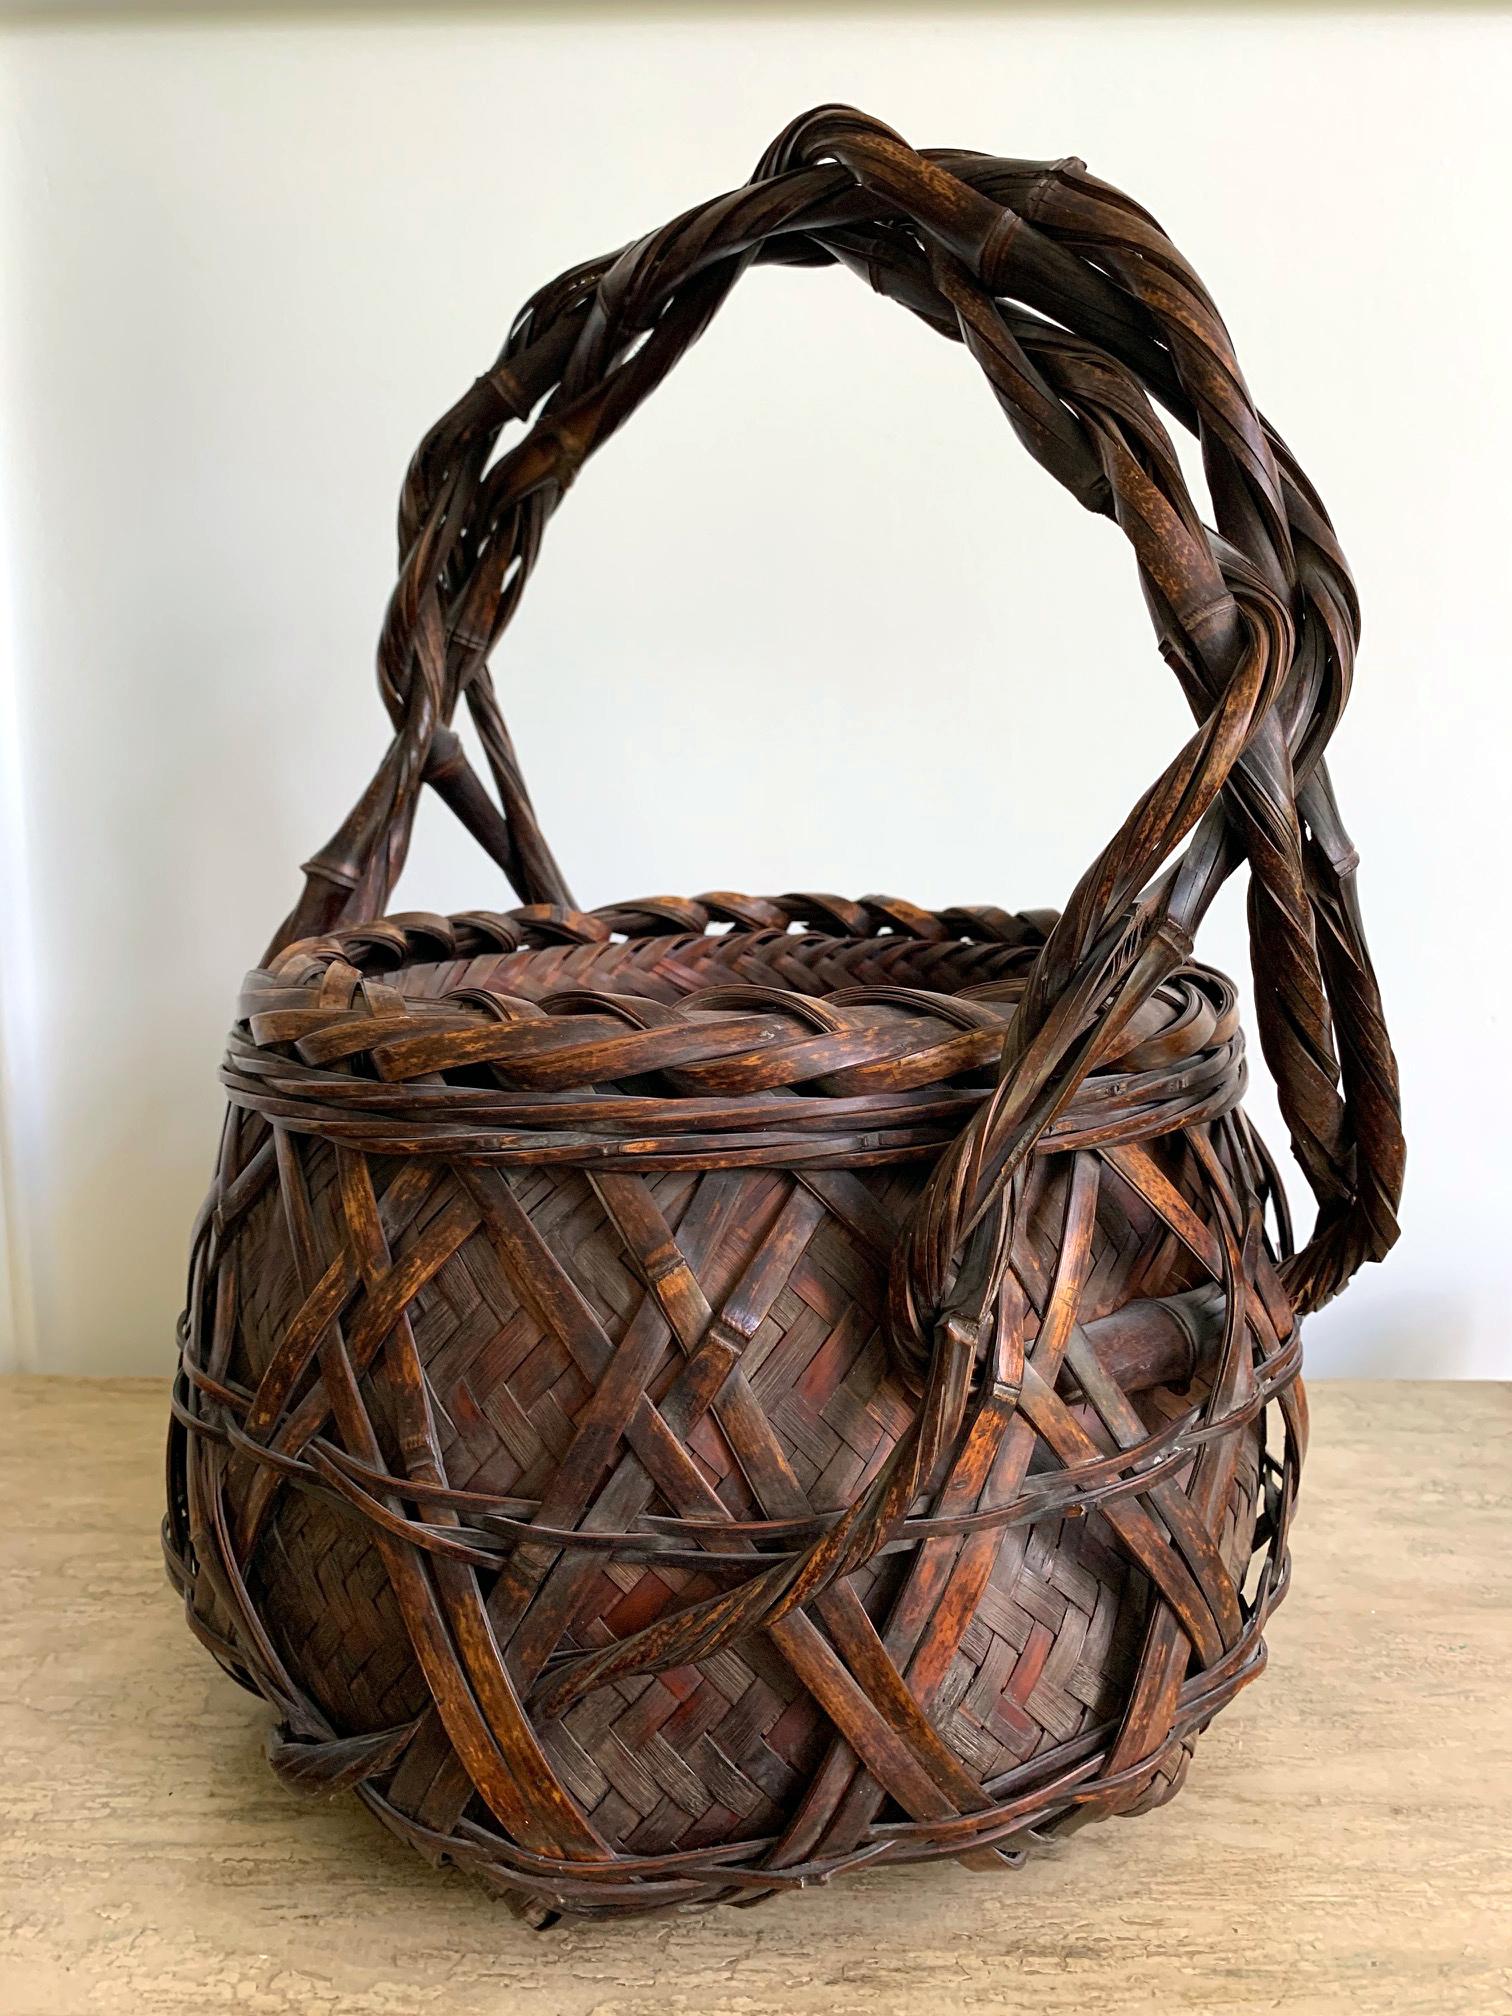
684, 968
671, 969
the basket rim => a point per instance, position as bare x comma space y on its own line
404, 937
741, 1072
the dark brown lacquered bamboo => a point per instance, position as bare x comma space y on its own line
682, 1400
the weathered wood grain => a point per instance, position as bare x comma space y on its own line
1343, 1847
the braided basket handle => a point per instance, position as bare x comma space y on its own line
1079, 312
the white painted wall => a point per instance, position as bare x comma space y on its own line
248, 264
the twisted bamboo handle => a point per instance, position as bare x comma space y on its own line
1079, 311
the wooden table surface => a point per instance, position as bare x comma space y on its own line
1343, 1842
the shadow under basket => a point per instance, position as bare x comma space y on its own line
683, 1400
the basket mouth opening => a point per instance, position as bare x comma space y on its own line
666, 948
673, 970
720, 1032
817, 995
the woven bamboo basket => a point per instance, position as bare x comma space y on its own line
682, 1400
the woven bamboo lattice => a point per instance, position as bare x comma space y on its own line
682, 1400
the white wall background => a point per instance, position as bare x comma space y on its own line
245, 265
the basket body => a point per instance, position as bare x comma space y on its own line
647, 1342
684, 1400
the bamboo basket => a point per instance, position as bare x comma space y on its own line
682, 1400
